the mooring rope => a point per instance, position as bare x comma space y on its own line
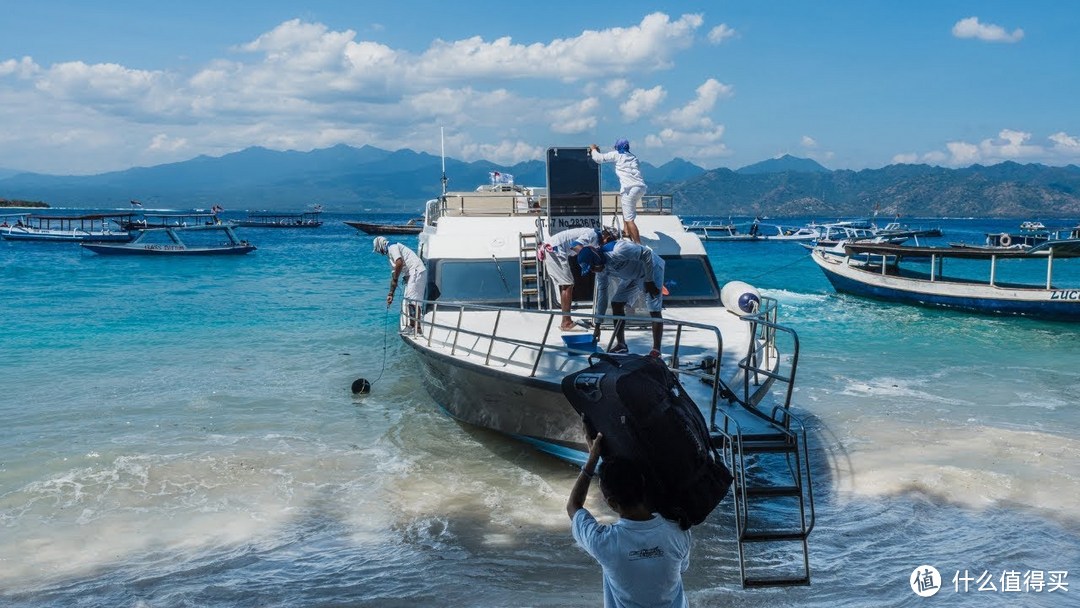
386, 318
772, 270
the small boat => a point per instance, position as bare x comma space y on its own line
896, 229
177, 219
214, 239
265, 219
750, 231
1032, 226
980, 279
413, 226
97, 227
709, 230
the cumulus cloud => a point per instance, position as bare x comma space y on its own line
21, 68
1065, 142
302, 84
1009, 144
576, 118
721, 33
690, 129
808, 142
642, 102
987, 32
696, 113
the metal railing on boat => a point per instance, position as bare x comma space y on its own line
743, 432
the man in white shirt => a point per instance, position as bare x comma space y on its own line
631, 184
642, 555
623, 269
555, 253
402, 258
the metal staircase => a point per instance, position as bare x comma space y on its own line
531, 285
767, 454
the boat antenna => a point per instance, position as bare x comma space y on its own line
442, 152
501, 275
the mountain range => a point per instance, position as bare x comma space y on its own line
348, 179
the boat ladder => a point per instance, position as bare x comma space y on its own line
768, 458
529, 267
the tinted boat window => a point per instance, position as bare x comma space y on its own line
688, 279
478, 281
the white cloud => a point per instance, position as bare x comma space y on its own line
577, 118
617, 87
720, 33
808, 142
162, 141
1009, 144
22, 68
690, 130
642, 102
1065, 142
695, 114
988, 32
300, 85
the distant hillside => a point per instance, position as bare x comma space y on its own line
348, 179
1004, 190
784, 164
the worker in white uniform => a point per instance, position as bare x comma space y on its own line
632, 186
555, 252
623, 269
403, 259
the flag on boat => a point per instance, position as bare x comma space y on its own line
135, 203
501, 178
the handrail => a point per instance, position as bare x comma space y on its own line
525, 202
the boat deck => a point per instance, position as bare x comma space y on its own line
513, 342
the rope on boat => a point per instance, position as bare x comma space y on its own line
772, 270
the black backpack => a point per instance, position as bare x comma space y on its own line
645, 416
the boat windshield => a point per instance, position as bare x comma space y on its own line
479, 280
689, 281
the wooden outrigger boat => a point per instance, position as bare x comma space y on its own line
67, 228
179, 241
984, 280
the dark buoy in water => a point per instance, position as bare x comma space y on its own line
361, 387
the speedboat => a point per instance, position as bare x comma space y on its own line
492, 355
198, 240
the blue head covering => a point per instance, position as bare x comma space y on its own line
587, 257
622, 146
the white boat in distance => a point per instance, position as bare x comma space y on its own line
97, 227
983, 280
492, 355
198, 240
711, 230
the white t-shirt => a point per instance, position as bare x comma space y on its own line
564, 242
413, 264
626, 167
643, 561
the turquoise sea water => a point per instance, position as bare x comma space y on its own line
182, 433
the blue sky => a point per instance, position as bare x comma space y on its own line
88, 87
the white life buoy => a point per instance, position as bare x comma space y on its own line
1004, 240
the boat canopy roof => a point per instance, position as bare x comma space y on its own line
1064, 248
